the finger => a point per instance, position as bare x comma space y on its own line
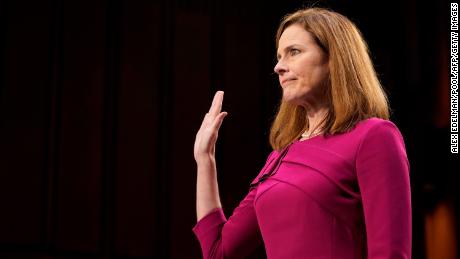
205, 121
216, 106
218, 121
214, 99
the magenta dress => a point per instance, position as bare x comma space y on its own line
343, 196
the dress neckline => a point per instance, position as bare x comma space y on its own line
309, 139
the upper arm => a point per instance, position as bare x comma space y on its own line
383, 175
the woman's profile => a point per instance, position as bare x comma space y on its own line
336, 184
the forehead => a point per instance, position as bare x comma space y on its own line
294, 34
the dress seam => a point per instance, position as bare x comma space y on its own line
262, 193
333, 153
313, 199
340, 186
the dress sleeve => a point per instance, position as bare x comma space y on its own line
236, 237
382, 171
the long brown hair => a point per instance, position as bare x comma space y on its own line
353, 91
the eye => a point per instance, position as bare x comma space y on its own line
294, 52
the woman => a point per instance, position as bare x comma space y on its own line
336, 184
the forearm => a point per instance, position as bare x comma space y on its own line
207, 189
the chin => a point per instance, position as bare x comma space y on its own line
290, 97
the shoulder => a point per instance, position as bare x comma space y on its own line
368, 129
373, 123
376, 127
380, 134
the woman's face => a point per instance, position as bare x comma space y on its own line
302, 67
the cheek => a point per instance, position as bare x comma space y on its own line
315, 74
311, 80
307, 76
322, 72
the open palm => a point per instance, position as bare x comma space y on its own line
206, 137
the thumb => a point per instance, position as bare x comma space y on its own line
220, 119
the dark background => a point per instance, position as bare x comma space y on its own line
100, 102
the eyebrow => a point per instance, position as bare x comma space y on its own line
287, 49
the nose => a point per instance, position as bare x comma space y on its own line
280, 68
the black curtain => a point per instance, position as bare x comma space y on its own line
100, 102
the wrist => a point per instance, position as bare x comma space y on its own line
205, 160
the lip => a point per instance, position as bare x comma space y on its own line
287, 80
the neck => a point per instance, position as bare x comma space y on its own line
315, 114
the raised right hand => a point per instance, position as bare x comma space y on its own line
206, 137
